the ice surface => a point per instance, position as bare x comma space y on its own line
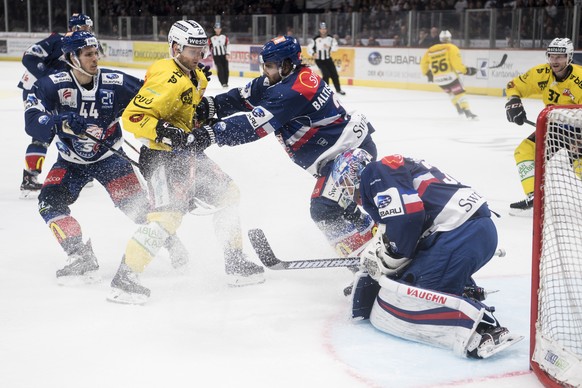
291, 331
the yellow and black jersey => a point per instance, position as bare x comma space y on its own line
444, 61
168, 94
542, 80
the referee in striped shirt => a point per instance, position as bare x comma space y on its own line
321, 48
220, 53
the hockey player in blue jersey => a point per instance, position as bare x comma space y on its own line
40, 59
75, 107
433, 234
313, 126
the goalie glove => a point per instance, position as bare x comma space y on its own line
70, 124
379, 259
429, 76
471, 71
514, 111
205, 109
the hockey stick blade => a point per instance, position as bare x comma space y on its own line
501, 63
268, 258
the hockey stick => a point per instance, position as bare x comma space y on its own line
268, 258
529, 122
501, 63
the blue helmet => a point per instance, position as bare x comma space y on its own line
75, 41
280, 48
79, 20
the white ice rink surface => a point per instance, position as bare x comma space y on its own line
293, 330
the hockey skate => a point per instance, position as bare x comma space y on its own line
30, 187
460, 110
179, 256
82, 267
470, 115
522, 208
241, 272
125, 287
491, 341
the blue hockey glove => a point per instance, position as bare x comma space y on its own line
71, 124
205, 70
429, 76
514, 111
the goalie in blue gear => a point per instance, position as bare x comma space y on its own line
433, 234
291, 101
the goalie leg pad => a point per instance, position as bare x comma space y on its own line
425, 316
144, 245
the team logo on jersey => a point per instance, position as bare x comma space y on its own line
186, 97
306, 84
375, 58
112, 79
258, 112
388, 203
68, 97
136, 118
393, 161
568, 93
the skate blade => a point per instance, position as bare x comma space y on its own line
494, 349
122, 297
71, 281
243, 281
521, 212
29, 194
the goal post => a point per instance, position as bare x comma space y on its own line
556, 297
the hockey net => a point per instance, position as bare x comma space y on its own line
556, 310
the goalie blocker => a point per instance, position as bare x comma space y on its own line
465, 326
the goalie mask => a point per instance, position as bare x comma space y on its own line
74, 43
445, 36
188, 33
561, 46
79, 21
347, 169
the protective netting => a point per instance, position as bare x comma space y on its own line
558, 347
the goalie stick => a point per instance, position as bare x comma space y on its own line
269, 259
501, 63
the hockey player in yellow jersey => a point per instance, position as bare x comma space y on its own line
442, 64
559, 82
162, 116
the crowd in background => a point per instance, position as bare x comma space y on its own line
384, 22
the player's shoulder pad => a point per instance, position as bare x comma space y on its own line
393, 161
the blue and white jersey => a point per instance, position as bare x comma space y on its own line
42, 58
414, 200
302, 111
101, 107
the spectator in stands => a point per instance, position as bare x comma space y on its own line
372, 41
423, 39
